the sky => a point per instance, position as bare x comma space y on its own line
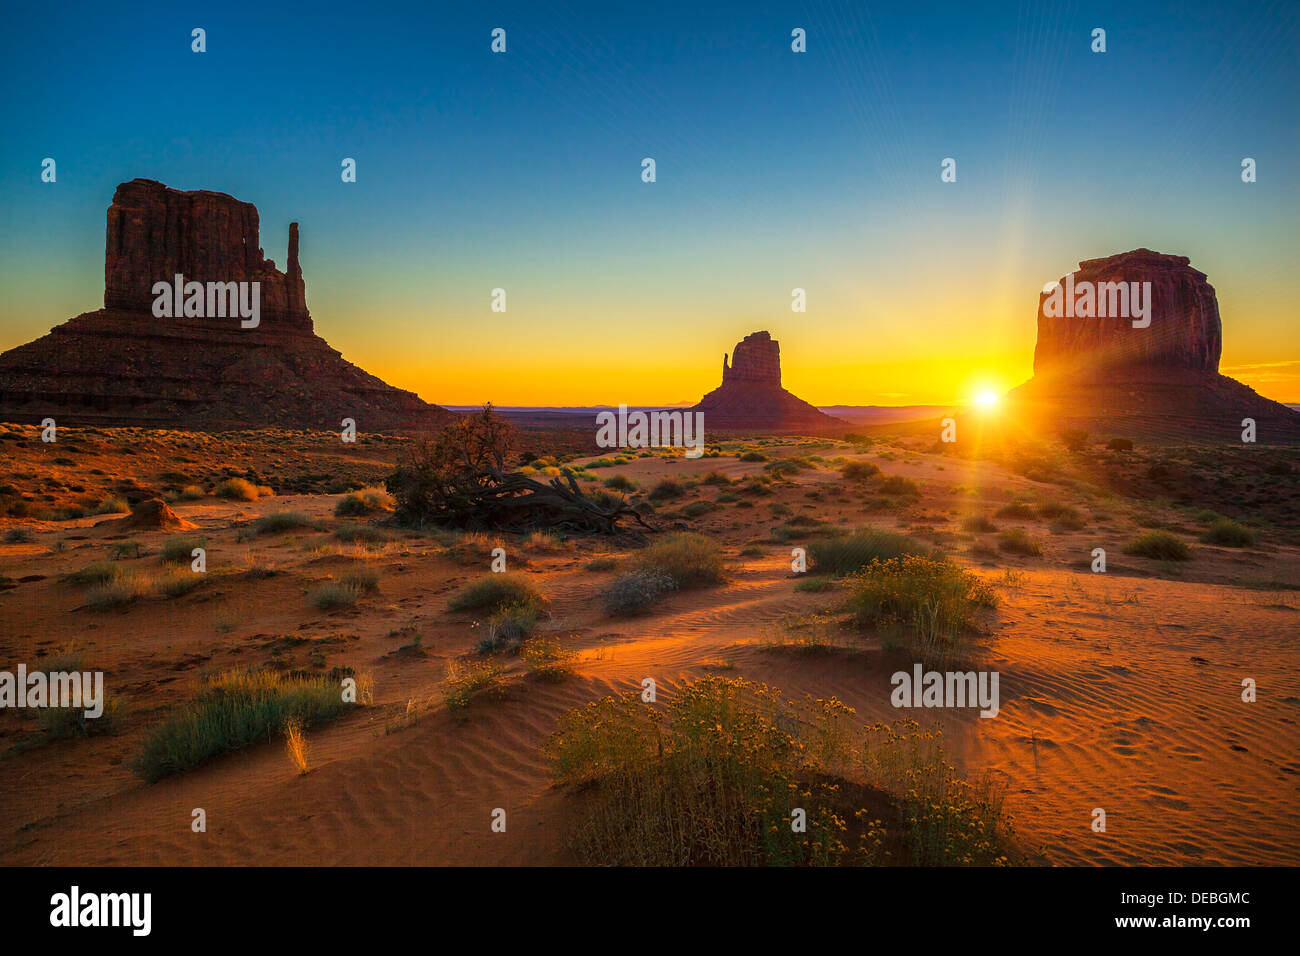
775, 170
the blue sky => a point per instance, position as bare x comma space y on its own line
775, 170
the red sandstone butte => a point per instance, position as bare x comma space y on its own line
122, 366
751, 396
1158, 382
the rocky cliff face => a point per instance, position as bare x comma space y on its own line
1157, 381
757, 359
123, 366
1086, 324
751, 396
155, 233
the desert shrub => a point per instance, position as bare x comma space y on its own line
601, 564
96, 573
1015, 541
929, 602
635, 591
666, 490
117, 591
236, 489
126, 549
509, 625
708, 779
815, 585
946, 820
752, 456
111, 506
1063, 516
859, 470
345, 592
495, 591
1120, 444
845, 553
278, 522
62, 722
18, 536
1160, 545
333, 595
441, 480
689, 560
697, 508
468, 679
364, 502
352, 533
620, 483
230, 711
179, 550
782, 467
178, 582
900, 485
546, 660
1017, 509
543, 541
1075, 439
190, 493
978, 524
716, 478
1229, 534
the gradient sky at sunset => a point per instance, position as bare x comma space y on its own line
775, 170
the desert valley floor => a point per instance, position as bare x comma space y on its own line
1119, 690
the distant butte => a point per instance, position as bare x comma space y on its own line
1157, 382
751, 396
120, 365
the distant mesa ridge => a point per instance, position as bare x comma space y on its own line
751, 395
121, 365
1159, 382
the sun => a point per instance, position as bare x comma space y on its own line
986, 397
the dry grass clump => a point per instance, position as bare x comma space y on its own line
900, 485
978, 524
495, 591
1160, 545
666, 490
345, 592
296, 744
1016, 541
177, 582
636, 591
237, 489
859, 470
841, 554
231, 710
364, 502
730, 773
278, 522
1017, 509
544, 541
689, 560
1229, 533
927, 605
510, 625
180, 550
